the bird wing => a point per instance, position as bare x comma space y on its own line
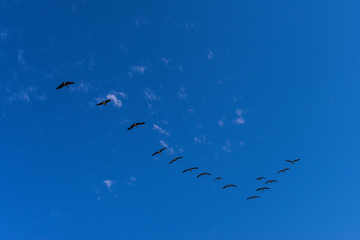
154, 153
288, 161
178, 158
258, 189
172, 161
279, 171
266, 188
60, 86
162, 149
106, 101
101, 103
199, 175
140, 123
286, 169
194, 168
70, 82
297, 160
185, 170
225, 186
131, 127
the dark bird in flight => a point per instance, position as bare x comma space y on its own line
283, 170
135, 125
190, 169
64, 84
259, 178
175, 159
158, 152
203, 174
293, 160
271, 181
104, 102
229, 185
218, 178
252, 197
263, 188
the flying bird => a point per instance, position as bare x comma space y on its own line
158, 152
104, 102
64, 84
190, 169
293, 160
252, 197
283, 170
175, 159
262, 189
259, 178
271, 181
135, 125
218, 178
229, 185
203, 174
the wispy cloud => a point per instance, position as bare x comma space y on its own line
222, 122
210, 55
165, 60
170, 149
21, 59
4, 35
108, 183
150, 95
24, 94
239, 117
131, 181
227, 146
115, 97
200, 139
160, 130
182, 93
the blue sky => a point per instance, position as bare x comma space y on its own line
235, 87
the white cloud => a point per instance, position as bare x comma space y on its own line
221, 122
4, 34
108, 184
200, 139
23, 94
182, 94
139, 69
227, 146
20, 58
114, 96
160, 130
170, 149
150, 95
210, 55
239, 119
165, 60
132, 180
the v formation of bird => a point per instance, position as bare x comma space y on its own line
66, 84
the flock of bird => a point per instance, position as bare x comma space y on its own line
66, 84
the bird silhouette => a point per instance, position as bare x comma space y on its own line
252, 197
158, 152
259, 178
175, 159
271, 181
203, 174
283, 170
218, 178
104, 102
229, 185
190, 169
293, 160
262, 189
135, 125
64, 84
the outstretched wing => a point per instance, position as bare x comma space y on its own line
162, 149
225, 186
297, 160
140, 123
106, 101
266, 188
70, 82
200, 175
194, 168
186, 170
259, 189
286, 169
60, 86
280, 171
101, 103
131, 127
289, 161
